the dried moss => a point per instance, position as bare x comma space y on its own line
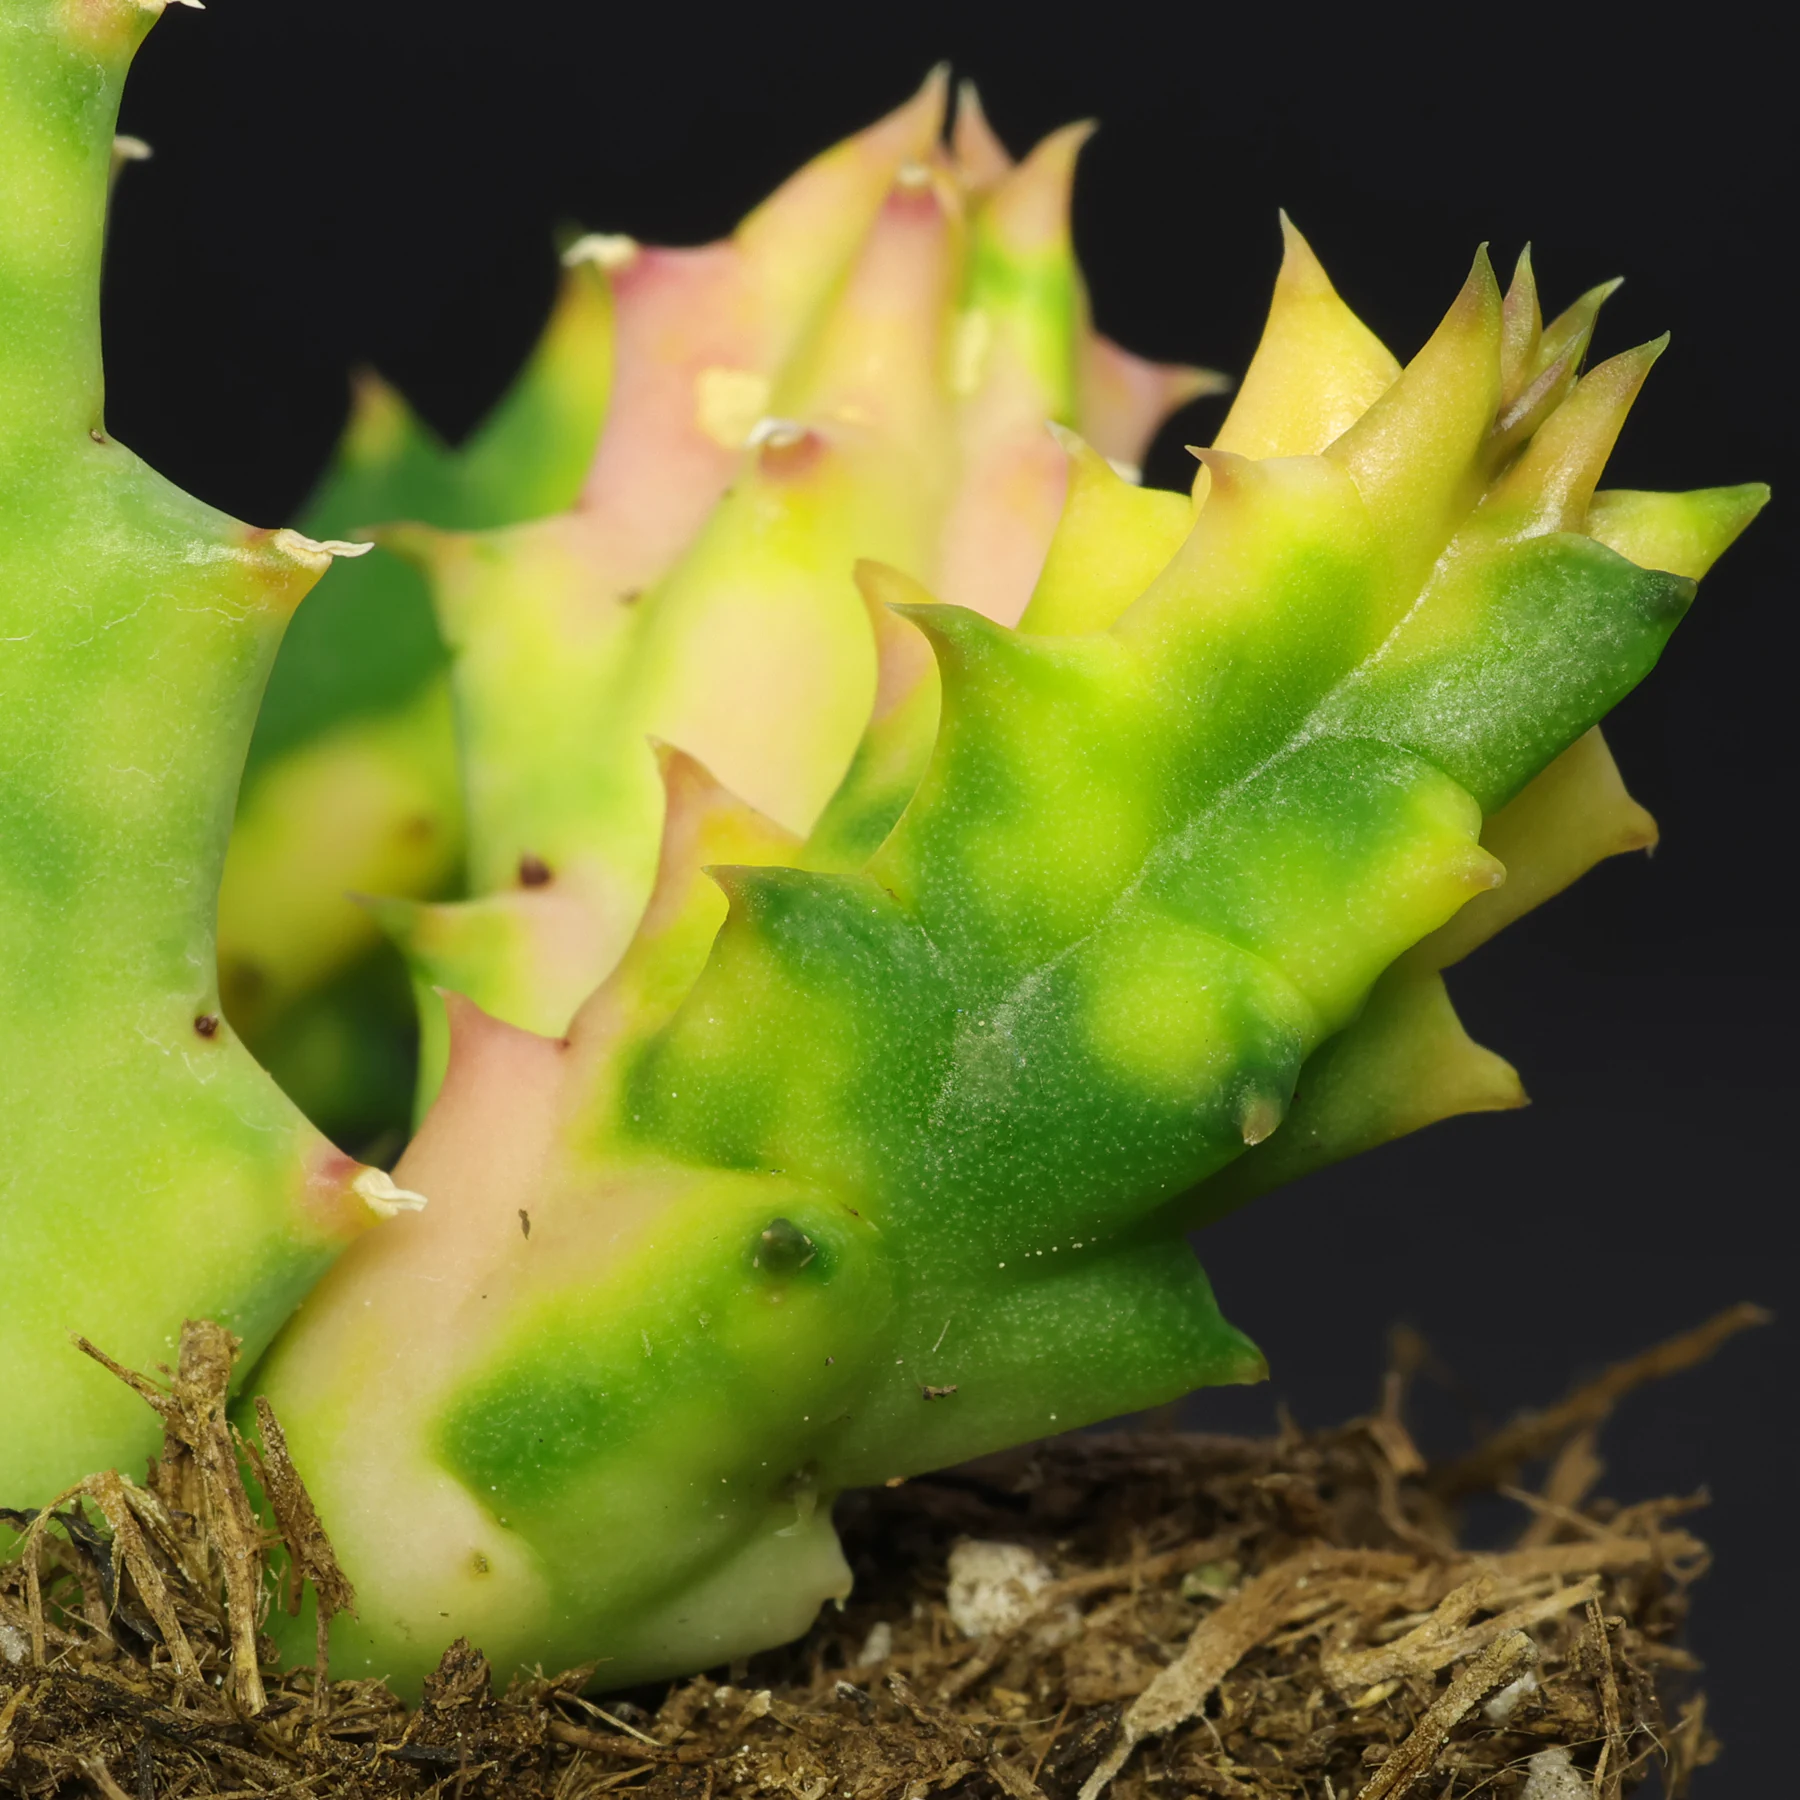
1176, 1615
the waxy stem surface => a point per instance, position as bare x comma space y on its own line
149, 1170
879, 1146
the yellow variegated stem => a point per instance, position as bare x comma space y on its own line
906, 983
1014, 369
149, 1170
1112, 541
1318, 369
896, 744
381, 792
757, 651
774, 420
1406, 1061
896, 1167
1684, 533
351, 786
754, 651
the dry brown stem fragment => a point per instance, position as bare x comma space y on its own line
1447, 1637
1501, 1664
1691, 1747
309, 1549
198, 1472
1388, 1428
1119, 1519
632, 1749
1058, 1593
22, 1695
1411, 1654
95, 1769
1609, 1555
295, 1517
195, 1424
1534, 1434
119, 1502
1219, 1642
1517, 1618
1609, 1770
1013, 1781
1571, 1479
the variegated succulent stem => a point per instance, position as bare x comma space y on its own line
352, 786
915, 873
879, 1146
864, 369
149, 1170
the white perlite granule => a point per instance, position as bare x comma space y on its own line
994, 1588
1551, 1776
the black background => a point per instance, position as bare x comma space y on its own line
380, 182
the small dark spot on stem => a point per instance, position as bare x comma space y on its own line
783, 1247
631, 596
207, 1024
533, 871
97, 435
938, 1393
525, 1221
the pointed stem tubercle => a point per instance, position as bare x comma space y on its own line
1554, 479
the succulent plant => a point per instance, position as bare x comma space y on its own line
915, 874
149, 1169
351, 786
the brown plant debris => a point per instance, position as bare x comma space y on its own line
1138, 1615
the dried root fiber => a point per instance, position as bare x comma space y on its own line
1136, 1614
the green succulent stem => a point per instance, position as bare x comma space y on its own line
60, 83
149, 1171
1114, 920
914, 875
